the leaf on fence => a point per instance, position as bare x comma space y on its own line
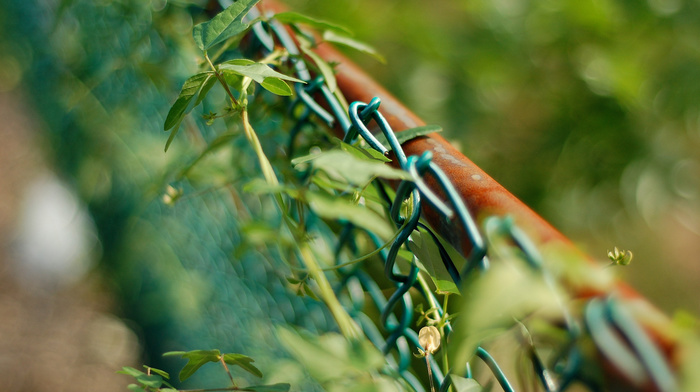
428, 253
365, 153
336, 208
148, 380
161, 373
195, 360
244, 362
259, 186
344, 40
507, 293
276, 86
223, 26
331, 356
295, 17
256, 71
342, 165
325, 68
461, 384
409, 134
192, 87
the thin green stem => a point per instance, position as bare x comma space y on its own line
445, 315
223, 363
430, 373
218, 75
347, 326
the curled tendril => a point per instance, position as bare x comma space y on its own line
620, 257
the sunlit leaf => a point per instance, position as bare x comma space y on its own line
336, 208
135, 388
152, 380
172, 135
223, 26
244, 362
256, 71
430, 257
342, 165
162, 373
364, 152
276, 86
408, 134
295, 17
344, 40
325, 68
259, 186
331, 356
130, 371
184, 103
497, 299
195, 360
149, 380
204, 90
461, 384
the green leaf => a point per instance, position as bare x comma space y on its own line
256, 71
173, 133
204, 90
509, 292
331, 356
135, 388
445, 286
184, 103
336, 208
258, 186
344, 40
268, 388
409, 134
223, 26
356, 170
294, 17
428, 253
276, 86
195, 360
162, 373
364, 153
461, 384
129, 371
325, 68
152, 381
308, 291
244, 362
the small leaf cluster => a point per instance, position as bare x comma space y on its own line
151, 380
224, 31
198, 358
154, 379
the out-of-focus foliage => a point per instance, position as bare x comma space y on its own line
587, 110
102, 76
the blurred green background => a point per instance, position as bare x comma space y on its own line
587, 110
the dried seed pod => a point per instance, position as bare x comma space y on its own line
429, 338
